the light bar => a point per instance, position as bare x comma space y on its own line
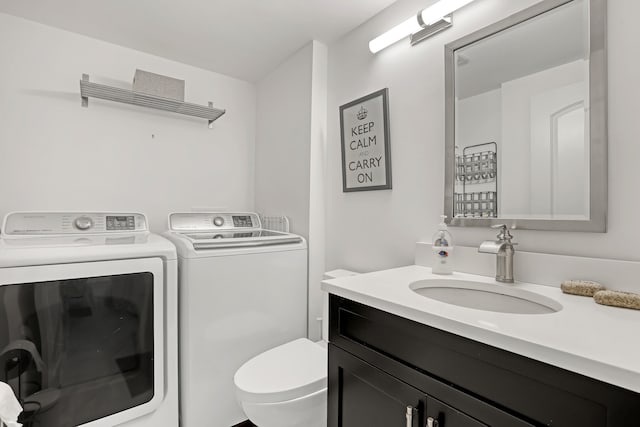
436, 12
395, 34
429, 16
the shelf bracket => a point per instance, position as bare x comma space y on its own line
211, 121
85, 99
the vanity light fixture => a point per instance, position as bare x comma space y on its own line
426, 23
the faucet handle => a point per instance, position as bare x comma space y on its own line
504, 233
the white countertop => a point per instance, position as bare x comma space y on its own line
594, 340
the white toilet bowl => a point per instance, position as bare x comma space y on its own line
285, 386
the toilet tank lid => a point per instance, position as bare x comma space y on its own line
290, 371
334, 274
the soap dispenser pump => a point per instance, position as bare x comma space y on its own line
442, 245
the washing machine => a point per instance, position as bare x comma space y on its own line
242, 290
88, 320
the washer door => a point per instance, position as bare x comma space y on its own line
82, 344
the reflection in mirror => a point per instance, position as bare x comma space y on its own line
520, 95
520, 125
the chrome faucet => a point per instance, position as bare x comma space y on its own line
504, 250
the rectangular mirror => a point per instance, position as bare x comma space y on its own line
526, 133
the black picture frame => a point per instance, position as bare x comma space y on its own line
366, 163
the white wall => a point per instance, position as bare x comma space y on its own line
478, 121
526, 154
317, 190
290, 150
282, 141
378, 229
56, 155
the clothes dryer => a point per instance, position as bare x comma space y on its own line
88, 320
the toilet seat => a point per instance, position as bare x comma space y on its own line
290, 371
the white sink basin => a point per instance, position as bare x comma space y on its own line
485, 296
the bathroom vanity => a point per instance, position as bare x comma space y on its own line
397, 358
526, 148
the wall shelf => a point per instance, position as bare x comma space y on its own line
95, 90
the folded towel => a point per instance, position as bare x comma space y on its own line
585, 288
618, 299
9, 406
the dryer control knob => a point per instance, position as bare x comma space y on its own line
83, 223
218, 221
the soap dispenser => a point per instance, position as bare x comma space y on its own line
442, 245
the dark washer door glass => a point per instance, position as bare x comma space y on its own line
77, 350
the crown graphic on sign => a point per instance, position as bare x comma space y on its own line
362, 113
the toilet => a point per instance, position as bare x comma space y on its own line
286, 386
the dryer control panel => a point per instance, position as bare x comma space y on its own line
57, 223
214, 221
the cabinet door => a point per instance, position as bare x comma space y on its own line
361, 395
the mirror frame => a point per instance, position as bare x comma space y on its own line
598, 189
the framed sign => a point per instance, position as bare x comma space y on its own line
364, 130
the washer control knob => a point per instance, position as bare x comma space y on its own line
218, 221
83, 223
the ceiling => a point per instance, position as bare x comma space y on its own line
241, 38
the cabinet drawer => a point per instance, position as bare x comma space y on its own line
543, 394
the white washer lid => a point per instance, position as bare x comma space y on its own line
292, 370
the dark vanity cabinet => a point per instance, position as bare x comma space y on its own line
373, 397
387, 371
370, 397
